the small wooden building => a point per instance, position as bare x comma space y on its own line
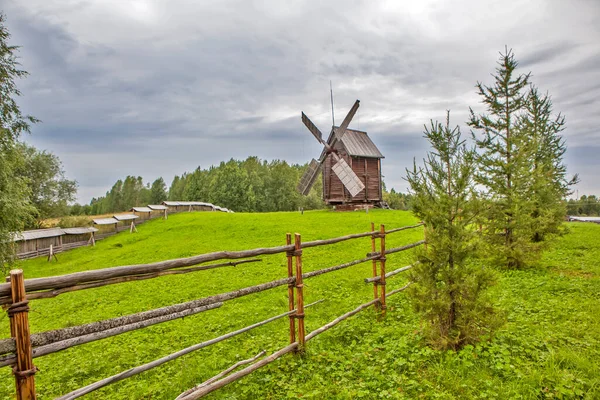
202, 206
145, 213
106, 226
157, 210
365, 160
37, 242
126, 222
76, 237
174, 206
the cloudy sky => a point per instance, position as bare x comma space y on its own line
157, 88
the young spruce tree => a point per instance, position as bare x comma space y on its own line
452, 282
504, 162
549, 183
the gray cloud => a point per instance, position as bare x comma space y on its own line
156, 88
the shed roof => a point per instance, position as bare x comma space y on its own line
170, 203
125, 217
38, 234
141, 209
357, 143
105, 221
157, 207
79, 231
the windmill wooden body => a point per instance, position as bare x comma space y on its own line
350, 164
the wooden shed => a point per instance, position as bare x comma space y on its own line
76, 237
158, 209
106, 226
37, 242
125, 222
174, 206
202, 206
145, 213
365, 160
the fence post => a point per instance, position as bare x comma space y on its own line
375, 274
299, 293
24, 370
290, 268
382, 270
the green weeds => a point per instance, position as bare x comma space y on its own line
549, 347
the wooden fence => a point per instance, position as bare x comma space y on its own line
20, 350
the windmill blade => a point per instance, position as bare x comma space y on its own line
313, 129
348, 177
342, 129
309, 177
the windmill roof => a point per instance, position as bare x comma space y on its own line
358, 144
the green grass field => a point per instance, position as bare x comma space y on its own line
549, 347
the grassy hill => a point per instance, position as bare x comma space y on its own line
549, 347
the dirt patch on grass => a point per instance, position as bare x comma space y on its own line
574, 273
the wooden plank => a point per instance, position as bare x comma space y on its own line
222, 374
153, 364
92, 337
291, 304
246, 371
299, 315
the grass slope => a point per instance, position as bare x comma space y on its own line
549, 347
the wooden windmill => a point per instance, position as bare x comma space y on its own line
350, 163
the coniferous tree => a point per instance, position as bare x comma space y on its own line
158, 191
549, 182
452, 282
504, 164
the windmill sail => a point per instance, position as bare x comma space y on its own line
348, 177
310, 176
346, 122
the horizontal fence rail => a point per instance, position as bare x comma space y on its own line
142, 368
44, 343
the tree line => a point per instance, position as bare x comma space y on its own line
251, 185
586, 205
491, 202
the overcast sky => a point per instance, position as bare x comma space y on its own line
158, 88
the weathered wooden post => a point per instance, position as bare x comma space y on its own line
299, 293
375, 274
24, 370
290, 268
382, 270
